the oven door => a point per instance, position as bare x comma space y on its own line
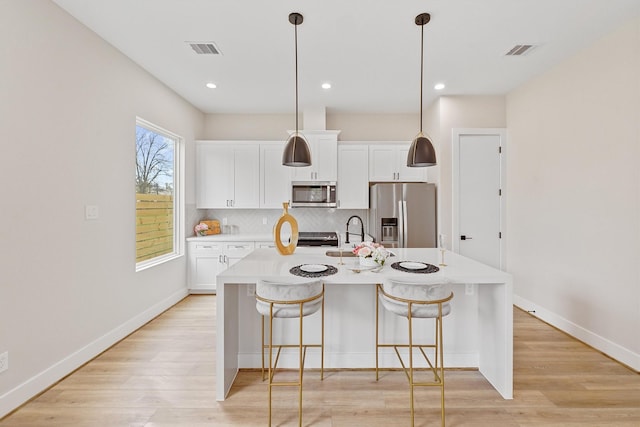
318, 194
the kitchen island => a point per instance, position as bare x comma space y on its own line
478, 333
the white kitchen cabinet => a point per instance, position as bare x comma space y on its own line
227, 175
205, 262
388, 163
353, 176
270, 244
324, 157
207, 259
275, 179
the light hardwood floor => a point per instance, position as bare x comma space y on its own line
164, 375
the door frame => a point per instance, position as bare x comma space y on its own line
456, 133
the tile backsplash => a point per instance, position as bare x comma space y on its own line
254, 221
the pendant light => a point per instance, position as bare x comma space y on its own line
296, 152
421, 152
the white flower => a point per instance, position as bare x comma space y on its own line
373, 250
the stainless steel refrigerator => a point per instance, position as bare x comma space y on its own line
403, 215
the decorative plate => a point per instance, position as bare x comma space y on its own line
313, 268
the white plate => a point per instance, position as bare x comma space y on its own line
313, 268
413, 265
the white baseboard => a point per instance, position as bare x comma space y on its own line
611, 349
40, 382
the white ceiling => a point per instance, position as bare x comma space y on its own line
369, 50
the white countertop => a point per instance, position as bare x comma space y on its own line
243, 237
269, 264
255, 237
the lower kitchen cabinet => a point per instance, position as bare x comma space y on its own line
207, 259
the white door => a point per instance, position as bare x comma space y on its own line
478, 194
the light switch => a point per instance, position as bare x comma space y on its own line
91, 212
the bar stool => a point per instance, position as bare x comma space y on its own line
427, 298
289, 300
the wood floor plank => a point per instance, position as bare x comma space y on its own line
164, 375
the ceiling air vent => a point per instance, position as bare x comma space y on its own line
520, 49
204, 48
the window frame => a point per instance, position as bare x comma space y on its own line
178, 197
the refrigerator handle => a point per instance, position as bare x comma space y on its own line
400, 224
404, 224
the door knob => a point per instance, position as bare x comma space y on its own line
463, 237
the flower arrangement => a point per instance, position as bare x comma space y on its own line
201, 229
375, 251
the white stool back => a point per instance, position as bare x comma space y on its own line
286, 297
423, 294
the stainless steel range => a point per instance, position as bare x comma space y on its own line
317, 238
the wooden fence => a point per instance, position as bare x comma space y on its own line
154, 225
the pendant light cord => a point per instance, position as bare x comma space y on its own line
421, 69
296, 44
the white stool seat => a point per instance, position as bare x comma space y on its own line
288, 292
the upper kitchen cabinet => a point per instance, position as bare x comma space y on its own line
227, 174
324, 157
353, 176
388, 163
275, 179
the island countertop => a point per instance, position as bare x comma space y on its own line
269, 264
478, 332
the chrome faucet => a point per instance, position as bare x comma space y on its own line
361, 229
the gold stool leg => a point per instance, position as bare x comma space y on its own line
300, 373
377, 331
410, 361
322, 342
270, 357
262, 345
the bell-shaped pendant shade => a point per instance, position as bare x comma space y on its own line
296, 152
421, 152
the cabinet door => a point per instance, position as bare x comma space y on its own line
353, 177
246, 177
275, 179
326, 157
205, 262
382, 163
406, 173
214, 175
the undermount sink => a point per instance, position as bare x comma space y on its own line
336, 253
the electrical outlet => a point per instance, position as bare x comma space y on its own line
251, 290
264, 220
224, 221
4, 361
91, 212
468, 289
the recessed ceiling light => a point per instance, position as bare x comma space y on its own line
211, 85
439, 86
326, 85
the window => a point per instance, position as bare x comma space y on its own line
158, 193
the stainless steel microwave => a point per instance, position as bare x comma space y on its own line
313, 194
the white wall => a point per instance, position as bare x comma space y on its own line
573, 185
68, 287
